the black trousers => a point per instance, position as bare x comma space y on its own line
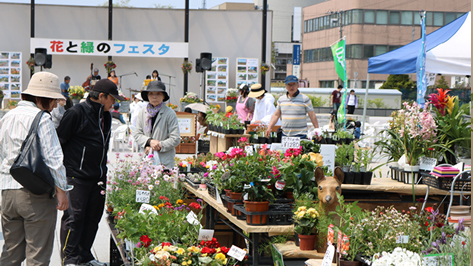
350, 109
80, 222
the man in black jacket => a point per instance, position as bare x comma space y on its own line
84, 133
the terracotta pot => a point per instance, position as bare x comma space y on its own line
306, 242
321, 246
290, 195
256, 206
109, 208
227, 192
234, 196
349, 263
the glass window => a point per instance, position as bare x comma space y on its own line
347, 20
394, 47
313, 24
312, 59
369, 16
316, 24
438, 19
416, 18
381, 17
310, 26
394, 17
380, 49
357, 16
368, 51
460, 14
449, 17
305, 56
406, 17
429, 18
357, 51
327, 22
305, 26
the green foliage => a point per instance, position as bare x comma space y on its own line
465, 108
119, 3
344, 154
279, 239
441, 83
398, 82
298, 174
377, 103
317, 101
309, 146
259, 192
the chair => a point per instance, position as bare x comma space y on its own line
119, 137
134, 145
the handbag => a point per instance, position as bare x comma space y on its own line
29, 168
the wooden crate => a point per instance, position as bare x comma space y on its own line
186, 148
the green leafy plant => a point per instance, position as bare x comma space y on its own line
317, 101
344, 154
305, 220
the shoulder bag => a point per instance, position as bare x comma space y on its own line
29, 168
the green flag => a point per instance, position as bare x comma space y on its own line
338, 52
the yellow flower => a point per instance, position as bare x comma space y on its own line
450, 103
302, 208
207, 166
156, 249
184, 263
304, 156
156, 207
179, 202
313, 216
180, 251
220, 256
301, 214
225, 261
184, 165
189, 262
319, 159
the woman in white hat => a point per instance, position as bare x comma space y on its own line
29, 220
157, 128
264, 106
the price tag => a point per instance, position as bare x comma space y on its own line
427, 164
280, 185
290, 142
147, 207
328, 155
192, 218
434, 259
400, 239
328, 257
236, 253
249, 150
143, 196
339, 242
205, 234
330, 235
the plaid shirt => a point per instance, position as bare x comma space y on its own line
14, 127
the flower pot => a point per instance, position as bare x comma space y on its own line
395, 164
358, 178
262, 140
329, 141
296, 239
411, 168
234, 196
226, 131
343, 140
306, 242
241, 131
233, 131
75, 101
274, 140
290, 195
348, 140
349, 263
345, 168
256, 206
321, 243
349, 177
367, 178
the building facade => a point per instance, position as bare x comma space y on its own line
370, 28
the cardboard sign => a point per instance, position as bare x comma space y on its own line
249, 150
427, 164
328, 153
142, 196
205, 234
236, 253
328, 257
290, 142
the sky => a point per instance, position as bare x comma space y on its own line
193, 4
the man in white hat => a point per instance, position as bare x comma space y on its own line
29, 220
135, 107
264, 106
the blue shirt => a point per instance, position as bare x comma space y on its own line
64, 89
357, 132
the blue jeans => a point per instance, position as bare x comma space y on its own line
336, 106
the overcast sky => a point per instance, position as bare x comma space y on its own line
135, 3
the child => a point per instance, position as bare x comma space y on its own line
357, 131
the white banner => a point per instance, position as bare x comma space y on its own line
111, 48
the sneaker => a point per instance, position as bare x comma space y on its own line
95, 263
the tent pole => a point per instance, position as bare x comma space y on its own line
366, 103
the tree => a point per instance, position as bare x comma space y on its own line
398, 82
120, 3
441, 83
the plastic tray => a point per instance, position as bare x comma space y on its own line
211, 190
446, 183
193, 183
278, 214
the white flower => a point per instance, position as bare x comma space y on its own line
150, 187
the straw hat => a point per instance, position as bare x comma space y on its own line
256, 90
44, 84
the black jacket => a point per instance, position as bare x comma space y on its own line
83, 142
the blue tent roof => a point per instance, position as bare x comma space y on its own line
403, 60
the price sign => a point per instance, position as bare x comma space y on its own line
249, 150
236, 253
147, 207
328, 155
328, 257
434, 259
143, 196
427, 164
192, 218
400, 239
290, 142
205, 234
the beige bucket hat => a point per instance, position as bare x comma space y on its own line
44, 84
256, 90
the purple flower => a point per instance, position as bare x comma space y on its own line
206, 174
138, 245
199, 200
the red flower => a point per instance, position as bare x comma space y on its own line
224, 250
429, 209
165, 244
463, 243
439, 224
207, 250
426, 223
146, 240
195, 205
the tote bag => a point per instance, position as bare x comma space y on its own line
29, 168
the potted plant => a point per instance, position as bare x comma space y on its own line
366, 160
259, 197
231, 98
305, 222
12, 104
76, 93
189, 98
343, 156
357, 177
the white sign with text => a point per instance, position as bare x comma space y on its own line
205, 234
143, 196
328, 153
236, 253
290, 142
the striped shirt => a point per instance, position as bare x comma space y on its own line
14, 127
293, 114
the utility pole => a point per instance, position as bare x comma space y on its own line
203, 4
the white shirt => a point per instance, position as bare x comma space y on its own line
264, 109
135, 110
351, 100
14, 127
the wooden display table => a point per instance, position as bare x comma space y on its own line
222, 142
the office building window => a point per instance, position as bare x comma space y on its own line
438, 18
368, 51
369, 16
380, 49
459, 14
357, 17
394, 17
429, 18
310, 25
394, 47
316, 24
326, 83
313, 24
363, 84
417, 18
406, 17
449, 17
347, 17
382, 17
